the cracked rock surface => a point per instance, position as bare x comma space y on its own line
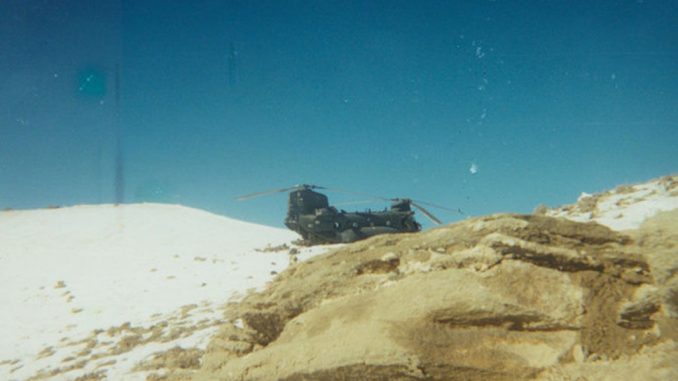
503, 297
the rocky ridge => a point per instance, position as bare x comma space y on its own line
622, 208
502, 297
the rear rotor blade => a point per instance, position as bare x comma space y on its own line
356, 202
362, 194
438, 206
425, 212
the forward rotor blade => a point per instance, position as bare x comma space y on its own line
265, 193
273, 191
426, 213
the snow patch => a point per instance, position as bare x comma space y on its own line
99, 288
625, 207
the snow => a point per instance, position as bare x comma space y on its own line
90, 289
625, 207
159, 268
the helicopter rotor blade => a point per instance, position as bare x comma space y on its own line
265, 193
425, 212
362, 194
458, 210
274, 191
356, 202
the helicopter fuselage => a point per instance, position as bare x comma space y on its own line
310, 215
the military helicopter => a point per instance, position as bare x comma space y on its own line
310, 214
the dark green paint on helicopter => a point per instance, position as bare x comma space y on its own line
317, 222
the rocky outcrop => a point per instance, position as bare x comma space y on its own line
504, 297
622, 208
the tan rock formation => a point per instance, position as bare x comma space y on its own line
504, 297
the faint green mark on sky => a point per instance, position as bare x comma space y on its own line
153, 190
92, 82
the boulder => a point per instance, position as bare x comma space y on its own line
503, 297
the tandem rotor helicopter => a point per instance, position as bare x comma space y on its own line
310, 214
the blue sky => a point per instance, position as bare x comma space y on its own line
544, 99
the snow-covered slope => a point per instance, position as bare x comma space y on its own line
626, 206
91, 289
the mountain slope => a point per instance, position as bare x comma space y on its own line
625, 207
136, 292
502, 297
148, 273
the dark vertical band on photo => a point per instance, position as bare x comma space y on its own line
119, 167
